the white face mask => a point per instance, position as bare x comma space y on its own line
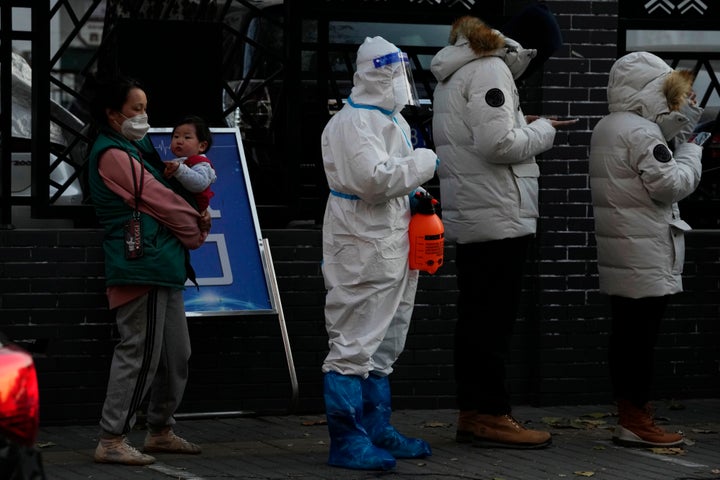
400, 92
135, 128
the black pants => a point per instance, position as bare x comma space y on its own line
489, 276
635, 326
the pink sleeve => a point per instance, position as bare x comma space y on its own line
157, 200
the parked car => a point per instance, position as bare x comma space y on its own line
19, 414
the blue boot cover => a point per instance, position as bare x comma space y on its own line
376, 420
350, 446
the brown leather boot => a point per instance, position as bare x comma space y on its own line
499, 431
636, 428
466, 421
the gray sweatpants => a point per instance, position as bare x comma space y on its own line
153, 356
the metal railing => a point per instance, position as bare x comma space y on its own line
38, 37
57, 105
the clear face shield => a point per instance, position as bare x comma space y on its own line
403, 83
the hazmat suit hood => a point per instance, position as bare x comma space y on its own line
470, 39
645, 84
373, 84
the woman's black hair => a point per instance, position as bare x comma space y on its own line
109, 93
202, 130
103, 93
535, 27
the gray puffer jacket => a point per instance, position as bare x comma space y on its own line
488, 175
636, 179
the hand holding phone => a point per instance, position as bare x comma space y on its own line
699, 138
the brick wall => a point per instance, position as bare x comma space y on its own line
52, 300
573, 316
52, 294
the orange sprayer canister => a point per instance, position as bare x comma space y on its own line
427, 235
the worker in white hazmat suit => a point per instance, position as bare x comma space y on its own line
636, 181
371, 170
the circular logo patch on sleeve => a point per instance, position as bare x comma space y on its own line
662, 153
495, 98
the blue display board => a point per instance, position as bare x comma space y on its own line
230, 266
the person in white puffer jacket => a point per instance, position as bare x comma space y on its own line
641, 165
489, 193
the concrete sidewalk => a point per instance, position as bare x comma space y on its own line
295, 447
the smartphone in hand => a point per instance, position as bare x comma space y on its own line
700, 138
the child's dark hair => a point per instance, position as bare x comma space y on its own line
202, 130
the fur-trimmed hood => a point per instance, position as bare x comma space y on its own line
643, 83
470, 39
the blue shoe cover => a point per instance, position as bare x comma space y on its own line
359, 453
400, 446
376, 420
350, 446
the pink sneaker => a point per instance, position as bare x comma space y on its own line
118, 450
165, 441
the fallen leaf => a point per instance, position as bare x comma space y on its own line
599, 415
584, 474
578, 423
592, 423
557, 422
435, 424
668, 451
702, 430
560, 422
310, 423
